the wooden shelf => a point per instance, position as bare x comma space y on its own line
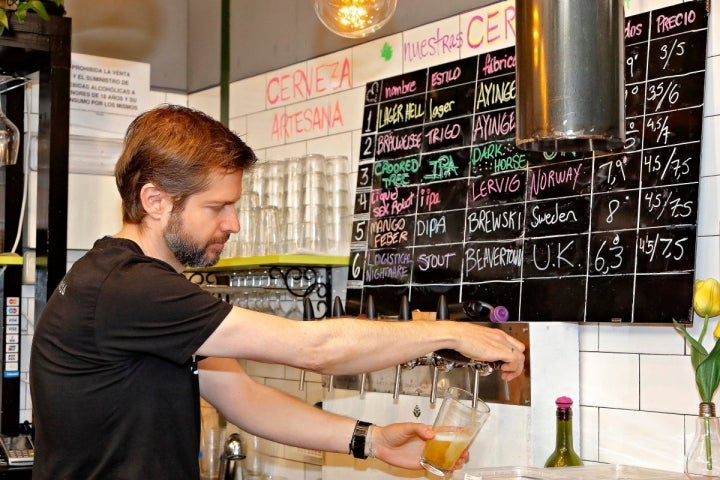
304, 260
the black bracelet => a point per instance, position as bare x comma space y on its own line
357, 442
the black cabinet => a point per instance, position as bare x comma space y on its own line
42, 48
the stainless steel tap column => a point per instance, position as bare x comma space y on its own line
337, 311
308, 314
371, 314
570, 77
403, 315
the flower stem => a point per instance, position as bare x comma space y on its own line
708, 445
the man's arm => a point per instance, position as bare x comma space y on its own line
342, 346
272, 414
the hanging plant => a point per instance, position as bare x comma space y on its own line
20, 8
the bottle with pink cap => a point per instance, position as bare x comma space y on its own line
564, 454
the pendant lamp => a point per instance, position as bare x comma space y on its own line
354, 18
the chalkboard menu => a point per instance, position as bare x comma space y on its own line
446, 204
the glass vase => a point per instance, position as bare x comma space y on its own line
703, 458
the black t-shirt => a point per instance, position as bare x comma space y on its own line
112, 377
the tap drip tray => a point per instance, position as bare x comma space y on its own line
416, 377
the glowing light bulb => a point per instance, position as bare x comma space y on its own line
354, 18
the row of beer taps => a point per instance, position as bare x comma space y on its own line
439, 361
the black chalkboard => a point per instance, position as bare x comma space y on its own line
446, 204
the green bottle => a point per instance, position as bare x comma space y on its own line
564, 454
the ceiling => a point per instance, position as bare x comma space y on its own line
181, 41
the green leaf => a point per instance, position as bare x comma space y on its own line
697, 351
707, 374
3, 21
21, 12
38, 7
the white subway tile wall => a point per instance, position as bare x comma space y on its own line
637, 393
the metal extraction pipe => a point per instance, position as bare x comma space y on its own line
570, 76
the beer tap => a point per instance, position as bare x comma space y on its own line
371, 314
308, 314
438, 362
403, 316
337, 311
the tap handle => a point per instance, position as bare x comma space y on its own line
396, 388
443, 311
337, 309
229, 459
370, 310
476, 387
404, 313
308, 310
433, 387
363, 381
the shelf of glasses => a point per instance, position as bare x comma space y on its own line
297, 274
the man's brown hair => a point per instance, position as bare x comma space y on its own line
175, 148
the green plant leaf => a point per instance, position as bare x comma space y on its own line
697, 351
3, 21
21, 12
707, 374
38, 7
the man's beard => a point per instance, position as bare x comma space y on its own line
187, 252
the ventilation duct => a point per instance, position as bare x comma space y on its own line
570, 77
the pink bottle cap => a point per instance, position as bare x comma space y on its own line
564, 402
499, 314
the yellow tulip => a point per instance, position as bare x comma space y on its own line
716, 332
706, 298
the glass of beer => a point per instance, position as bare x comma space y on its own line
456, 425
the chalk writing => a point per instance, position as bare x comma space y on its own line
491, 257
402, 113
392, 202
498, 62
485, 187
493, 126
491, 94
398, 142
488, 220
387, 232
442, 167
541, 179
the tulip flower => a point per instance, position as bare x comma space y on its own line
706, 303
706, 297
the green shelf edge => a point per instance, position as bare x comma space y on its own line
278, 260
10, 259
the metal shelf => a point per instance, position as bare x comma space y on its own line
288, 268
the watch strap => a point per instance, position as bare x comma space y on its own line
358, 440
